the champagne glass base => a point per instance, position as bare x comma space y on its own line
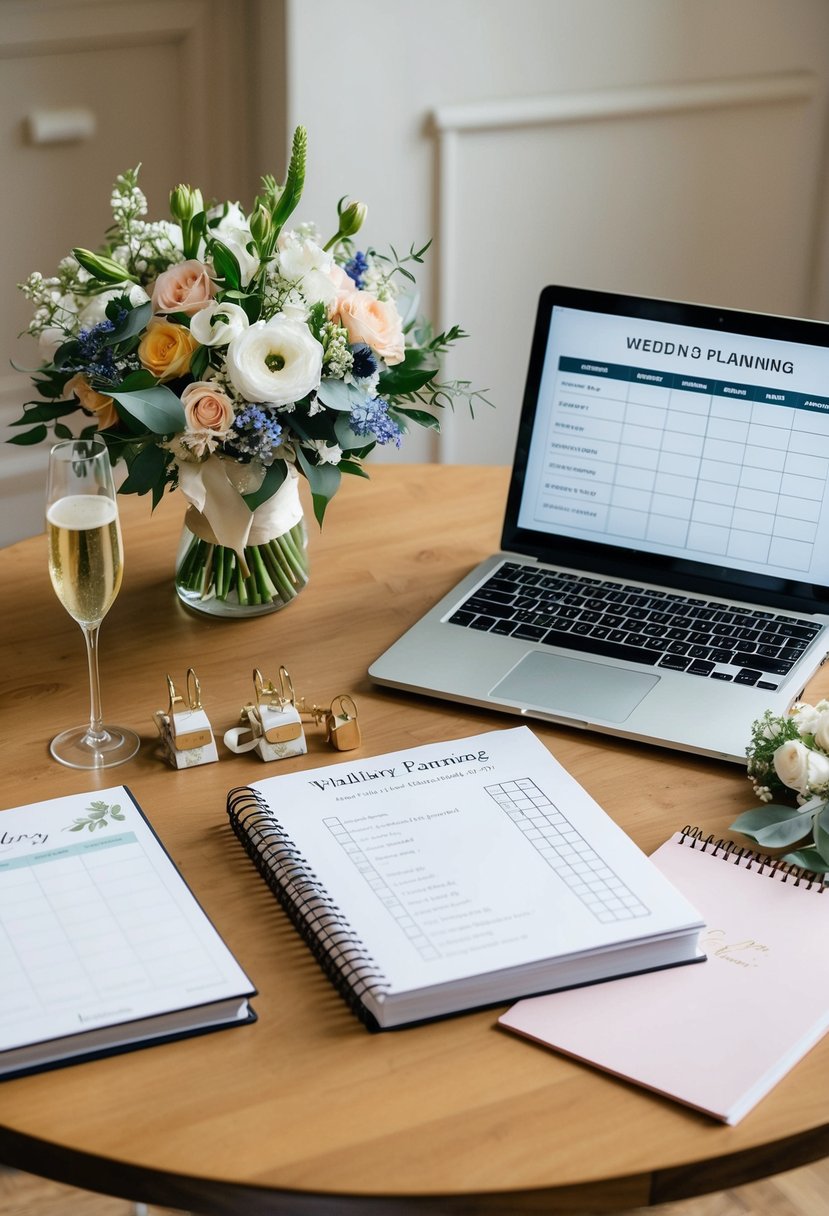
75, 748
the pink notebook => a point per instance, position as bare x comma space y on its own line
759, 1001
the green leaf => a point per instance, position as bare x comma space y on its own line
808, 859
421, 417
225, 264
338, 395
320, 426
137, 380
821, 832
348, 439
146, 470
42, 412
350, 466
416, 370
275, 475
78, 827
36, 435
199, 363
774, 826
62, 432
251, 303
158, 409
324, 480
132, 324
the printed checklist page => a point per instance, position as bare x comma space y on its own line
456, 859
97, 927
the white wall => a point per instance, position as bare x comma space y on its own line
664, 147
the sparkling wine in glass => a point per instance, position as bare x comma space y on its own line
86, 565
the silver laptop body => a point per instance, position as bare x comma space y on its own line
664, 573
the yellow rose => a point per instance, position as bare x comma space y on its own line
166, 349
93, 402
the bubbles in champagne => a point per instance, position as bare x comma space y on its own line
85, 560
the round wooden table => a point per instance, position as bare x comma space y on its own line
306, 1112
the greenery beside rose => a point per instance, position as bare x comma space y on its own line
789, 755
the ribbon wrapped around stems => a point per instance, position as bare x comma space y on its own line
253, 560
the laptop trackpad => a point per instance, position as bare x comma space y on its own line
586, 687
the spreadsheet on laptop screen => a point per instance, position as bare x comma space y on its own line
689, 442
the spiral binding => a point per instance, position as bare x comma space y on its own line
315, 915
728, 850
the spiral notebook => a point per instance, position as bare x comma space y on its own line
759, 1003
458, 875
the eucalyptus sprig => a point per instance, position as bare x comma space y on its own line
788, 755
775, 826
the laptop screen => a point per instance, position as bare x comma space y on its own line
677, 438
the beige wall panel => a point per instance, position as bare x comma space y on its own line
160, 95
686, 204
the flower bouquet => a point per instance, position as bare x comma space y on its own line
789, 755
224, 354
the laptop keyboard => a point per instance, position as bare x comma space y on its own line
680, 632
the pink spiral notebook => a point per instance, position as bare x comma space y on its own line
759, 1002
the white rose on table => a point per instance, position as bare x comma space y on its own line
820, 730
806, 717
218, 324
275, 362
800, 768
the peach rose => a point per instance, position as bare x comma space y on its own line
186, 288
166, 349
375, 322
343, 286
206, 408
96, 403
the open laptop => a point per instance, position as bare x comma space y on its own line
664, 573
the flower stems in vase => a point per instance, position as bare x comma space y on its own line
269, 576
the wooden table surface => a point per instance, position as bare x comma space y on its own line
305, 1111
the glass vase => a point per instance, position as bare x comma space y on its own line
265, 576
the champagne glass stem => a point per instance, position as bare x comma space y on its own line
96, 732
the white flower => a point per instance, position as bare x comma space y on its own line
95, 311
821, 731
303, 263
275, 362
329, 453
49, 339
806, 717
233, 230
800, 768
62, 311
218, 324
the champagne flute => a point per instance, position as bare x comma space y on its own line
85, 565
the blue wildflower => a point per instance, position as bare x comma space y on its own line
93, 357
255, 434
356, 269
364, 364
371, 417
